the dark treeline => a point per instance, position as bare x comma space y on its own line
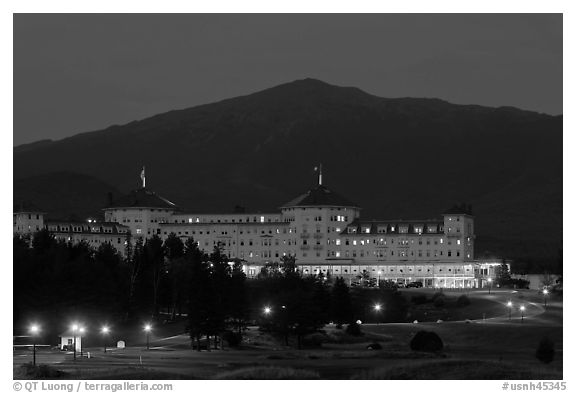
161, 280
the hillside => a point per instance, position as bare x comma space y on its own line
406, 157
63, 195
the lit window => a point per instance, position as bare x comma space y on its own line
337, 242
441, 241
458, 241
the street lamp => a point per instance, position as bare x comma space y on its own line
81, 330
522, 308
147, 329
74, 329
378, 280
267, 310
105, 330
34, 330
509, 304
490, 287
377, 308
545, 293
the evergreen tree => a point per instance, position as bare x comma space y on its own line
238, 297
198, 291
135, 266
503, 277
155, 263
341, 306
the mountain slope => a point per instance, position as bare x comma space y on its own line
63, 195
403, 157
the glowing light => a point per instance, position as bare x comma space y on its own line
267, 310
147, 327
34, 329
105, 330
377, 307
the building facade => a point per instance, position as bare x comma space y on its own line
323, 230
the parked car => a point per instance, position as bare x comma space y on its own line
414, 284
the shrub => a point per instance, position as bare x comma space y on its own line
463, 301
439, 302
426, 341
419, 299
545, 351
233, 339
375, 346
353, 329
314, 340
268, 373
437, 295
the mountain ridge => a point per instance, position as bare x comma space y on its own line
406, 157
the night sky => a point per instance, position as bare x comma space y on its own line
78, 73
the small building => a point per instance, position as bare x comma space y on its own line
67, 341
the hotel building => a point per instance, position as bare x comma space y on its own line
323, 230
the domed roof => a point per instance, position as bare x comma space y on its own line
320, 196
141, 198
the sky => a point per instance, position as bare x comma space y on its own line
83, 72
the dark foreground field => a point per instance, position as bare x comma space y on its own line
494, 348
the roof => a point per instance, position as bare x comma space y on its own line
460, 209
141, 198
320, 196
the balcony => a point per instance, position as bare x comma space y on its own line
304, 247
318, 247
305, 235
318, 235
453, 234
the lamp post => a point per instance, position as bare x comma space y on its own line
377, 308
105, 330
267, 310
490, 285
147, 329
34, 329
545, 293
81, 330
509, 305
74, 329
522, 308
378, 280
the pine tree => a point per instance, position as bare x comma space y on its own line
341, 303
503, 277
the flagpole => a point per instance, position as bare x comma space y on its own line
143, 176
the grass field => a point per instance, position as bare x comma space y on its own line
494, 348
